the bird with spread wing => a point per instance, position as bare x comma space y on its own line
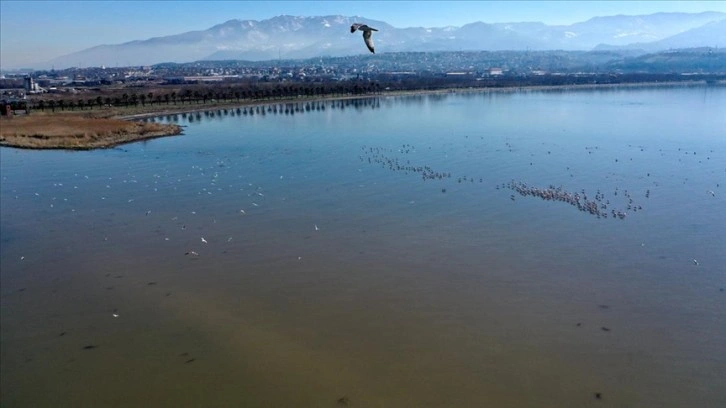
367, 33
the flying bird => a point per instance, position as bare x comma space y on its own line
367, 33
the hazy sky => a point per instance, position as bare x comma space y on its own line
33, 31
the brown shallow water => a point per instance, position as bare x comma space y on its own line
346, 283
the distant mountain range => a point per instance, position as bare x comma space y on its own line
290, 37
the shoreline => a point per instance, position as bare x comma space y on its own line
384, 94
82, 133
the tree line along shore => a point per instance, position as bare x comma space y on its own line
107, 117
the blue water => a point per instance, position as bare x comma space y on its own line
332, 269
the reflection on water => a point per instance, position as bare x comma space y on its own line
436, 250
271, 108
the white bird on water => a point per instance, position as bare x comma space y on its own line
367, 33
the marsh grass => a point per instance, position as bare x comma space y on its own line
63, 131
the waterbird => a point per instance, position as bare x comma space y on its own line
204, 240
367, 33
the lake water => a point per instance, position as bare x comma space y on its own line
385, 252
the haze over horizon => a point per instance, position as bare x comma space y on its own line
49, 29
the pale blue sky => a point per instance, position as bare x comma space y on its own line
33, 31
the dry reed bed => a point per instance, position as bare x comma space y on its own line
76, 131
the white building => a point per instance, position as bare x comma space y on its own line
31, 86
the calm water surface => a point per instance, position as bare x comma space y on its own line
373, 253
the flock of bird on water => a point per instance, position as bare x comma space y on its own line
597, 205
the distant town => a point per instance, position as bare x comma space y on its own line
202, 81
